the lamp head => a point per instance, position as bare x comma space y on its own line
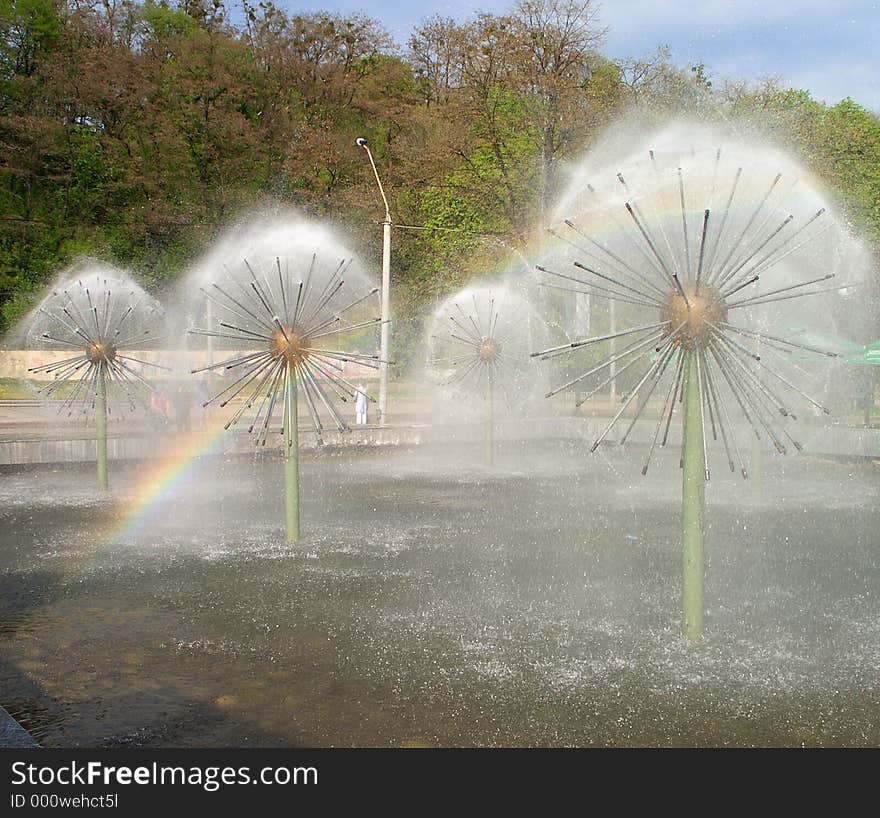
361, 142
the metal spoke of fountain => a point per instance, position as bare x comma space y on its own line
481, 343
488, 354
94, 320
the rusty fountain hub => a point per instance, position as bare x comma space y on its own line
698, 310
288, 344
100, 351
489, 350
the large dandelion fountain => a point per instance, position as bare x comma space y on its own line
289, 319
103, 322
703, 253
479, 344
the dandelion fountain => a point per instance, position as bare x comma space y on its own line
681, 239
479, 343
431, 604
97, 314
292, 297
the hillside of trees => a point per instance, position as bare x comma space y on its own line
137, 131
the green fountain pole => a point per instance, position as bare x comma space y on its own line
692, 505
291, 458
488, 437
757, 458
101, 427
757, 467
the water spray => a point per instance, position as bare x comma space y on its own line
291, 311
480, 347
100, 316
692, 271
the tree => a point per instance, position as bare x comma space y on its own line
558, 43
518, 87
135, 130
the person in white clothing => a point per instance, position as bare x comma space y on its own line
360, 404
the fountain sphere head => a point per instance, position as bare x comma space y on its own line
489, 350
100, 350
696, 311
286, 343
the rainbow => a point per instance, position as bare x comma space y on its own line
165, 475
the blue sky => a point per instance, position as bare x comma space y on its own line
828, 47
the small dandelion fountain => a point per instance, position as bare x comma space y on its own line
284, 317
480, 340
97, 316
685, 260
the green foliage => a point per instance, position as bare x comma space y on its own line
847, 150
30, 29
136, 131
840, 143
164, 23
12, 389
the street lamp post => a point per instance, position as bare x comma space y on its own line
386, 290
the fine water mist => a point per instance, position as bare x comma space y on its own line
432, 600
483, 337
782, 276
95, 313
277, 290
